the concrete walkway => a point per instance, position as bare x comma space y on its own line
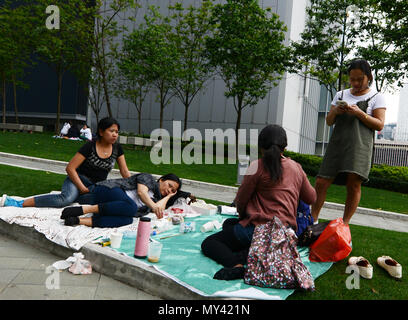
25, 275
22, 267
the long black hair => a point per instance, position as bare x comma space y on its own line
362, 65
272, 141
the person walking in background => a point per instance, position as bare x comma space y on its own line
272, 186
356, 113
91, 164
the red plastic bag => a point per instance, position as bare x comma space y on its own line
333, 244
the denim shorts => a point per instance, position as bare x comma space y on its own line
244, 234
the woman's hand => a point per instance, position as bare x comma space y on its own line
84, 190
192, 199
355, 110
158, 209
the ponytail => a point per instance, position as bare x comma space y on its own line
272, 140
272, 162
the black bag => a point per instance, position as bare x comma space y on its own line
311, 234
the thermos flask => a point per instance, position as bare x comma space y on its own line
142, 238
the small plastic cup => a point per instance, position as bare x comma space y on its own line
116, 239
153, 254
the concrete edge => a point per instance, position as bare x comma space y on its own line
370, 212
223, 188
110, 263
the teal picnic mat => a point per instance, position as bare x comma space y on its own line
182, 258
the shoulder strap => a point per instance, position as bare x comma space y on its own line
372, 96
341, 98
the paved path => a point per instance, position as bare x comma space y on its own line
23, 276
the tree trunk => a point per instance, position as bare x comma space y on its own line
4, 99
105, 90
186, 105
57, 125
238, 125
15, 97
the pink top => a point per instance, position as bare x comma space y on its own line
259, 199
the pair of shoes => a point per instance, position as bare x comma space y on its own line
71, 221
391, 266
72, 212
7, 201
366, 269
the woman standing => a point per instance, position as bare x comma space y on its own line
91, 164
356, 113
271, 187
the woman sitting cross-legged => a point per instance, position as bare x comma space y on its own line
116, 202
272, 186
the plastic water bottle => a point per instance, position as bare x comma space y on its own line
142, 238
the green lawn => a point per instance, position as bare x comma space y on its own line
44, 146
368, 242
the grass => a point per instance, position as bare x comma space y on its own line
44, 146
367, 242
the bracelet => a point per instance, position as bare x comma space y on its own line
366, 116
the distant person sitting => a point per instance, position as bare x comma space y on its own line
85, 133
73, 132
65, 128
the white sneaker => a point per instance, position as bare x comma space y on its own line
392, 266
3, 200
364, 267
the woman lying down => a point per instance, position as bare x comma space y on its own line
116, 202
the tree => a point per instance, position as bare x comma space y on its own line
105, 32
65, 48
338, 31
326, 42
247, 49
16, 45
132, 80
192, 26
155, 50
385, 57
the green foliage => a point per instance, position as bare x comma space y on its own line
334, 35
192, 27
247, 49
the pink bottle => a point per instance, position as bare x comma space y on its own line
142, 238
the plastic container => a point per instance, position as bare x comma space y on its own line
154, 252
116, 239
142, 238
206, 209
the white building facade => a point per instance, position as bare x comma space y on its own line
401, 133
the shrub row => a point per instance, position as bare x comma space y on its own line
381, 176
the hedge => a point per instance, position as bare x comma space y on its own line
381, 176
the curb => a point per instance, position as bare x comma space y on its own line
110, 263
213, 186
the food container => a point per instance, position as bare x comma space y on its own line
205, 209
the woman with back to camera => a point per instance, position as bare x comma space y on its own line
91, 164
272, 186
356, 113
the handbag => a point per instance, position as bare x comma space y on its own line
312, 232
303, 218
273, 260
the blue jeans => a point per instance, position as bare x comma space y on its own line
116, 209
244, 234
69, 194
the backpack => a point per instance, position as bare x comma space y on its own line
303, 218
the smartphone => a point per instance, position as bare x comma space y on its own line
341, 103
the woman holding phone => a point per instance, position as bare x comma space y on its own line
356, 113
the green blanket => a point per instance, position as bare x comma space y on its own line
182, 260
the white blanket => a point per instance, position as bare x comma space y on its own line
47, 221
